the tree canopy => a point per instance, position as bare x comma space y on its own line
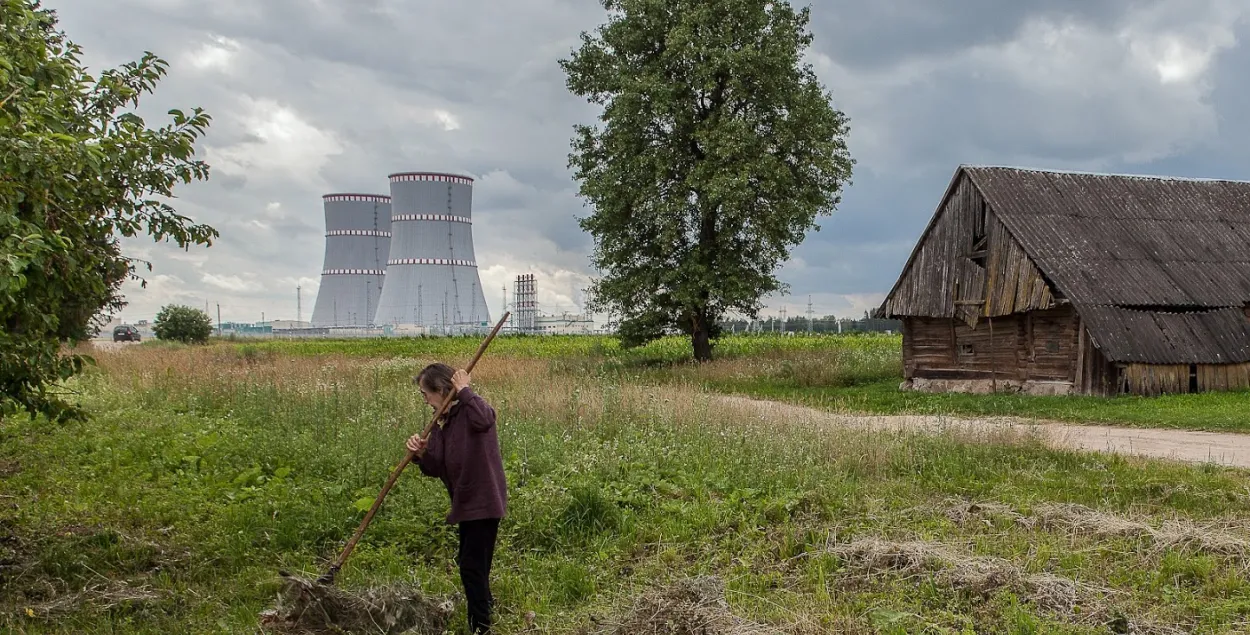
79, 169
185, 324
719, 147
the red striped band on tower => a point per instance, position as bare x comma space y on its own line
432, 261
368, 198
439, 177
395, 218
353, 272
358, 232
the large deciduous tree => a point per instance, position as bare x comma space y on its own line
78, 171
719, 148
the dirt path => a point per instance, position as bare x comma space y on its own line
1182, 445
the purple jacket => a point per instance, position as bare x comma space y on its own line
464, 454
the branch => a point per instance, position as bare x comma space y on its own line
11, 96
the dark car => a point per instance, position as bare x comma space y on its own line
126, 333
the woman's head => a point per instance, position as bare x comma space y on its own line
434, 381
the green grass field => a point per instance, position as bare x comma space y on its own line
206, 470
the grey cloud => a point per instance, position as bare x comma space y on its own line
928, 84
877, 35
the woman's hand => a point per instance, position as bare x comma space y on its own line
416, 444
460, 380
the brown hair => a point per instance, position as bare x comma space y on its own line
436, 378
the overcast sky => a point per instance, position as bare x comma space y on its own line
317, 96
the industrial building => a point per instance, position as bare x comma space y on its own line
358, 242
527, 319
431, 272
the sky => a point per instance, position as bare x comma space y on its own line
316, 96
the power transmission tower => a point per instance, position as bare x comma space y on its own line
809, 315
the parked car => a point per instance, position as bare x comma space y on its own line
126, 333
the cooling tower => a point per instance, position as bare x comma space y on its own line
431, 274
358, 241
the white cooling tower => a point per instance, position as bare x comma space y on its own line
358, 241
431, 273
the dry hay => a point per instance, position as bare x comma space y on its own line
978, 575
305, 606
1079, 519
962, 513
693, 606
99, 596
1170, 533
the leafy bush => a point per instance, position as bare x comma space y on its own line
79, 170
183, 324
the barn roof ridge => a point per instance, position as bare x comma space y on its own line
1115, 175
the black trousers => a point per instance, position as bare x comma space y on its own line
477, 550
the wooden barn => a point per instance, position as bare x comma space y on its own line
1073, 283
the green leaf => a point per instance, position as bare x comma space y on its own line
207, 441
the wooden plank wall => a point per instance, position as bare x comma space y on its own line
1155, 379
1096, 376
1223, 376
1040, 345
1014, 284
939, 274
943, 281
1158, 379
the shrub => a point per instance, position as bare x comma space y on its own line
183, 324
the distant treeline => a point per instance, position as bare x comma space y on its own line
826, 324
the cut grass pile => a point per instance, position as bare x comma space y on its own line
207, 470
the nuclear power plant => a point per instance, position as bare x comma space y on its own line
431, 273
403, 260
358, 242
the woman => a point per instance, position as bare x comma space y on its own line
463, 451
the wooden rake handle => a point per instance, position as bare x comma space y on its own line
328, 577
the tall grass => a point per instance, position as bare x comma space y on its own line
846, 373
208, 469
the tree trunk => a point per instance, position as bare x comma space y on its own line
700, 338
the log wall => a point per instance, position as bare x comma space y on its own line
1039, 346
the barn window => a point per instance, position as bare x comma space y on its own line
965, 349
1052, 346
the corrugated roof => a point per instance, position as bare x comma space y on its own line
1217, 336
1116, 244
1128, 240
